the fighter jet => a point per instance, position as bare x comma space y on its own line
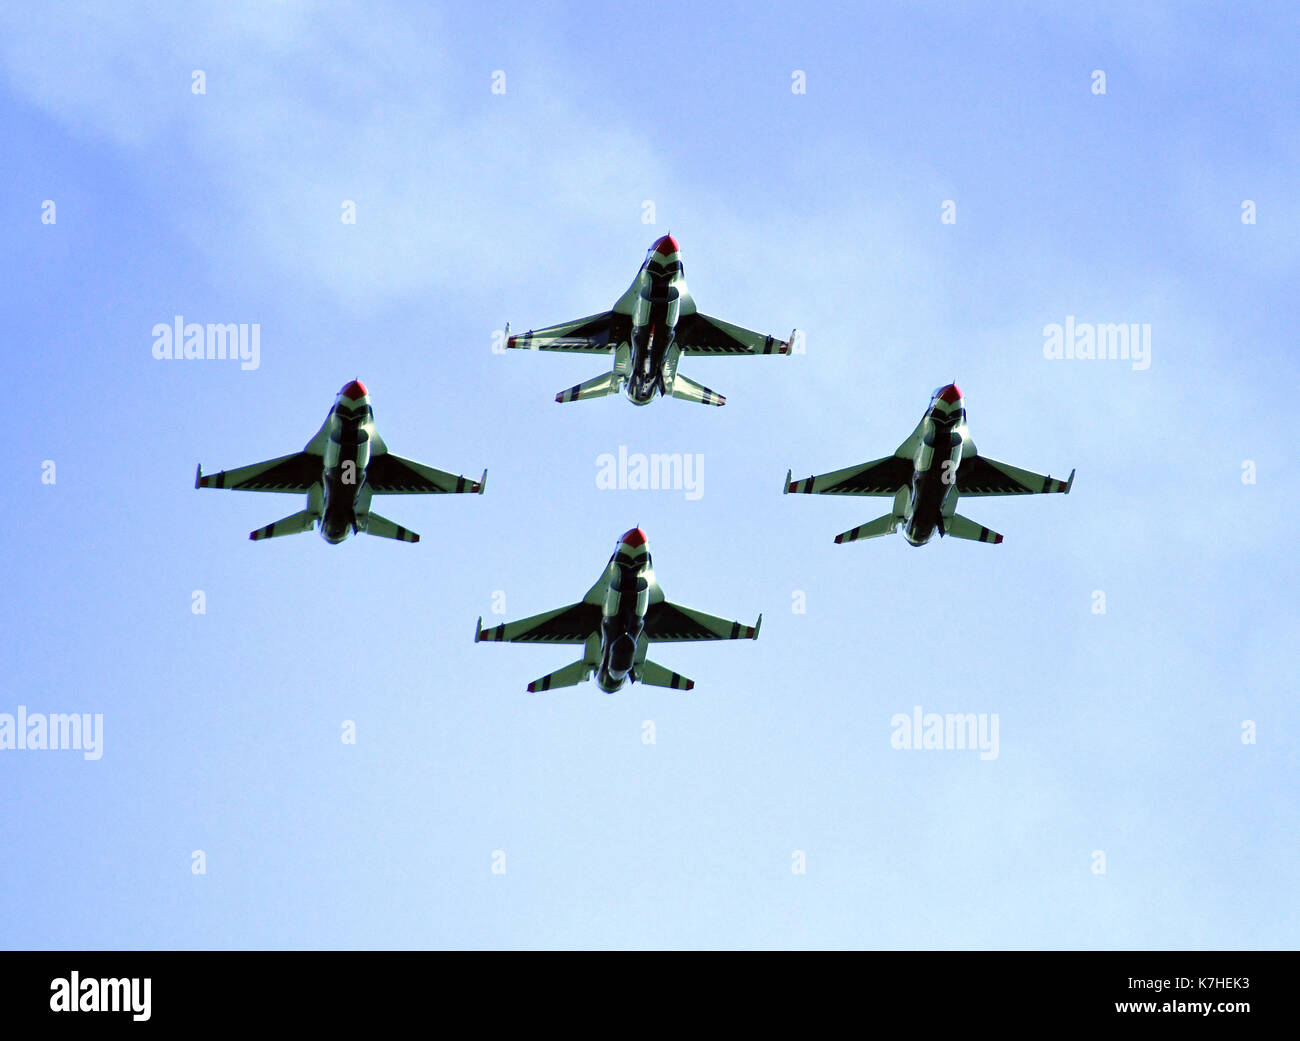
340, 469
615, 623
651, 326
936, 465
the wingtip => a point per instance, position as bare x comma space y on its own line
757, 626
997, 539
198, 474
532, 687
482, 482
789, 349
839, 539
478, 629
1069, 482
785, 488
690, 685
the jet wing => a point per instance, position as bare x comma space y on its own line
979, 475
700, 334
288, 473
667, 622
572, 624
878, 477
595, 334
389, 474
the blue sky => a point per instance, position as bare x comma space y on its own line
1119, 732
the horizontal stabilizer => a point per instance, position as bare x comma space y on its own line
960, 527
655, 675
599, 387
689, 390
885, 525
294, 524
386, 529
569, 676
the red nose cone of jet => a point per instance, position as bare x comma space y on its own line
666, 246
634, 538
354, 390
950, 393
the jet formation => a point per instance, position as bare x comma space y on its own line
342, 467
926, 475
648, 331
615, 623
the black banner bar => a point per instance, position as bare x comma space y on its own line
147, 990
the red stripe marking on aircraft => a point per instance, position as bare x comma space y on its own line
666, 246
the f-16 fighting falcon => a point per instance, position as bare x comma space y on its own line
651, 326
340, 469
936, 465
615, 623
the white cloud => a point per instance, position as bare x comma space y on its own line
306, 110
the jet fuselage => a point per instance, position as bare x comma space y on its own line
662, 282
627, 597
932, 496
347, 454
